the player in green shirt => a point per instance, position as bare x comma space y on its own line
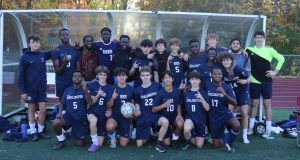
261, 78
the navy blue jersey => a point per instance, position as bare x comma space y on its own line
238, 73
176, 97
105, 56
197, 62
75, 104
74, 56
145, 98
194, 109
178, 68
32, 71
206, 72
101, 105
241, 60
124, 95
218, 103
141, 63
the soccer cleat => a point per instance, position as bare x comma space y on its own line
93, 148
44, 135
34, 137
59, 145
113, 143
160, 148
250, 132
186, 146
267, 134
230, 149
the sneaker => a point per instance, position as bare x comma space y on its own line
44, 135
58, 145
250, 132
267, 134
160, 148
34, 137
230, 149
246, 141
186, 146
93, 148
113, 143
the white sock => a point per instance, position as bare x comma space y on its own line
245, 133
40, 128
32, 128
251, 123
95, 139
60, 137
112, 136
174, 137
268, 126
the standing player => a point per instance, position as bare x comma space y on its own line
196, 107
220, 96
237, 78
75, 100
206, 69
168, 104
145, 95
106, 50
65, 62
146, 46
261, 78
197, 59
97, 113
239, 57
175, 64
119, 95
88, 59
32, 84
161, 54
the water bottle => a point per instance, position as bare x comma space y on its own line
24, 130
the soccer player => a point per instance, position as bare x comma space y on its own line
206, 69
176, 65
220, 96
88, 59
65, 62
261, 78
168, 104
239, 57
212, 41
237, 78
161, 54
32, 84
195, 109
98, 111
146, 46
119, 95
106, 50
145, 95
75, 101
197, 58
124, 56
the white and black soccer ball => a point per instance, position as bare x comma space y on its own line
127, 109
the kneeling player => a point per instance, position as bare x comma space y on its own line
195, 112
168, 104
119, 95
74, 100
97, 112
220, 96
145, 96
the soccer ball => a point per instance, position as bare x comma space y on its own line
127, 109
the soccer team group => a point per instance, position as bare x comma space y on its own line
174, 93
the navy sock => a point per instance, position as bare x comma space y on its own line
231, 136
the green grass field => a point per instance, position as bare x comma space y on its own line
259, 148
